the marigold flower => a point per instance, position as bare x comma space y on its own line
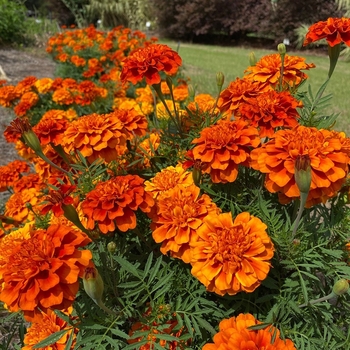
167, 179
46, 325
43, 85
11, 173
25, 85
234, 335
112, 204
8, 94
51, 127
237, 92
178, 214
231, 256
270, 110
224, 146
41, 272
95, 136
146, 148
267, 70
28, 181
148, 62
329, 163
63, 96
334, 30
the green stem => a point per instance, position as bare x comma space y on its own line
303, 198
319, 300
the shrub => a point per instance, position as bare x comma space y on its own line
12, 21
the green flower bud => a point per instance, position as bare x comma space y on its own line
341, 287
220, 79
252, 59
302, 173
93, 284
32, 141
111, 247
191, 91
281, 49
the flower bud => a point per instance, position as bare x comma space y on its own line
302, 173
281, 49
111, 247
252, 59
220, 79
191, 91
93, 284
341, 287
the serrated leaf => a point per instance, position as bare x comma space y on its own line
127, 266
51, 339
148, 264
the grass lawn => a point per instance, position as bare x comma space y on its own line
202, 62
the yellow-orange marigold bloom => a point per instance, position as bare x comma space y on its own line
270, 110
162, 112
167, 179
334, 30
267, 70
234, 335
177, 216
11, 173
112, 204
43, 85
148, 62
46, 325
63, 96
42, 272
180, 93
147, 148
95, 136
221, 148
51, 127
237, 92
231, 256
329, 163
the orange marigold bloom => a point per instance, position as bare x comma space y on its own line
17, 205
8, 94
48, 324
28, 181
96, 136
334, 30
51, 127
147, 148
148, 62
267, 70
239, 90
11, 173
134, 123
42, 271
329, 162
234, 335
167, 179
270, 110
231, 256
112, 204
25, 85
78, 61
222, 147
178, 214
63, 96
180, 92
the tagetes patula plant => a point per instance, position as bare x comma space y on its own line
220, 222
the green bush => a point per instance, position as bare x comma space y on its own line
13, 14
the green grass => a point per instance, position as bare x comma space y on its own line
202, 62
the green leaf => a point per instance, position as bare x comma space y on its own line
127, 266
53, 338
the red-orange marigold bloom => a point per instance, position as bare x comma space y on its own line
25, 85
51, 127
231, 256
237, 92
234, 335
8, 94
178, 214
28, 181
48, 324
334, 30
167, 179
270, 110
95, 136
329, 162
112, 204
267, 70
42, 271
224, 146
148, 62
11, 173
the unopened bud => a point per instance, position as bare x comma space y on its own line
252, 59
32, 141
111, 247
220, 79
93, 284
302, 173
341, 287
196, 175
281, 49
191, 91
